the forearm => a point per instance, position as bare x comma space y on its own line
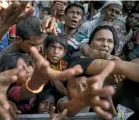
34, 84
75, 105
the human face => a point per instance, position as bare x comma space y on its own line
103, 41
132, 19
28, 69
28, 7
74, 17
76, 86
36, 41
44, 106
129, 5
63, 4
55, 52
112, 12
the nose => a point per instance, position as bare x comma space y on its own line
56, 51
81, 88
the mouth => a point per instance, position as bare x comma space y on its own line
103, 50
73, 21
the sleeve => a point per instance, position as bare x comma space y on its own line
14, 93
65, 98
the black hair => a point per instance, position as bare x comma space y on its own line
46, 9
43, 95
28, 27
111, 28
74, 5
9, 61
60, 38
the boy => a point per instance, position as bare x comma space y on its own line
55, 48
74, 87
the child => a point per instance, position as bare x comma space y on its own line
44, 101
74, 87
55, 49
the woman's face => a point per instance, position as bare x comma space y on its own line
27, 71
103, 41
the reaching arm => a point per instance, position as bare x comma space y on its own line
128, 69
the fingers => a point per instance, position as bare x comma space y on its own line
52, 112
104, 92
3, 100
36, 56
24, 15
5, 113
13, 113
66, 74
102, 113
63, 115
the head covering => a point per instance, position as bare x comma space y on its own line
112, 2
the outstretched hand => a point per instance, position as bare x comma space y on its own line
95, 85
12, 14
43, 71
6, 78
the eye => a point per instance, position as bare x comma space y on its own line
85, 85
74, 87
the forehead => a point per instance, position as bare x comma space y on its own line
75, 8
57, 44
62, 1
115, 7
103, 33
77, 80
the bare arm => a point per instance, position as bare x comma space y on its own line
128, 69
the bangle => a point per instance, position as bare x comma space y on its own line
34, 91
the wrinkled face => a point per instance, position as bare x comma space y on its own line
55, 52
76, 86
36, 41
28, 69
112, 12
74, 17
44, 106
103, 41
63, 4
132, 19
129, 5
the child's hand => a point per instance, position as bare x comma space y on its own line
59, 117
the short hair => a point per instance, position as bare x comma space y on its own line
60, 38
9, 61
28, 27
74, 5
111, 28
46, 9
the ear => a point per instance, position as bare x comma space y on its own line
18, 40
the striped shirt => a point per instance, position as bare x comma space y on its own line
74, 43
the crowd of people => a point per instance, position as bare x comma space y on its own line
69, 57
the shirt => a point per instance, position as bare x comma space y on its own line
74, 43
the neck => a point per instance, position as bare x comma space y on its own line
70, 31
61, 18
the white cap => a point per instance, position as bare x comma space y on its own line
112, 2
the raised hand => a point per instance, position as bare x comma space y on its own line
12, 14
59, 117
48, 25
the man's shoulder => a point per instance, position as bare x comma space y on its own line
80, 36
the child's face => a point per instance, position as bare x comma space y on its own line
76, 85
44, 106
55, 52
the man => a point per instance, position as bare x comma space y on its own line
58, 8
28, 34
